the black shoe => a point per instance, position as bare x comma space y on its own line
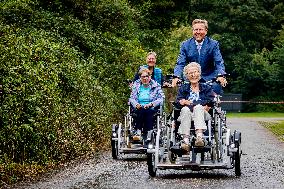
136, 138
185, 148
176, 150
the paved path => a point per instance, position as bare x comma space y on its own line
262, 166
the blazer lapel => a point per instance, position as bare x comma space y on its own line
194, 48
203, 49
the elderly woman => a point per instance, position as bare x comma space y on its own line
194, 98
146, 94
155, 72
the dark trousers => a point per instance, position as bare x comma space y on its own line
145, 119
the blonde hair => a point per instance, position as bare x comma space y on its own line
191, 65
197, 21
152, 53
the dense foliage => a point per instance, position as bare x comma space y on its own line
64, 65
63, 80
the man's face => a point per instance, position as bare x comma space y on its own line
199, 32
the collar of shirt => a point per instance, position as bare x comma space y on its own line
199, 43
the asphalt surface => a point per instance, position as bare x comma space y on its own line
262, 166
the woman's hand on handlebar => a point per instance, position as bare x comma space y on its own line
148, 105
167, 85
175, 81
184, 102
138, 106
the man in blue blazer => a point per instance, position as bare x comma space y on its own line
206, 52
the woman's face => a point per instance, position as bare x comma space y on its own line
145, 78
151, 60
193, 74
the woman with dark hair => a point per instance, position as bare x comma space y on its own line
145, 96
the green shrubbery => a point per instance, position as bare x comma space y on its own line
53, 107
63, 85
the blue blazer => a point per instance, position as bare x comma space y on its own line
210, 58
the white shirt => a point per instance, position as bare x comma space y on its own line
199, 45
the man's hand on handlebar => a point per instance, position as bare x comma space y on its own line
222, 81
206, 108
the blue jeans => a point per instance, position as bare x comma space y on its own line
145, 119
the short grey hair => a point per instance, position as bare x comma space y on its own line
142, 70
191, 65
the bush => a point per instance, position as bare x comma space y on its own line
62, 86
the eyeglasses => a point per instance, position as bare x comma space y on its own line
145, 76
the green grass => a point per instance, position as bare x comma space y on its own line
276, 127
256, 114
